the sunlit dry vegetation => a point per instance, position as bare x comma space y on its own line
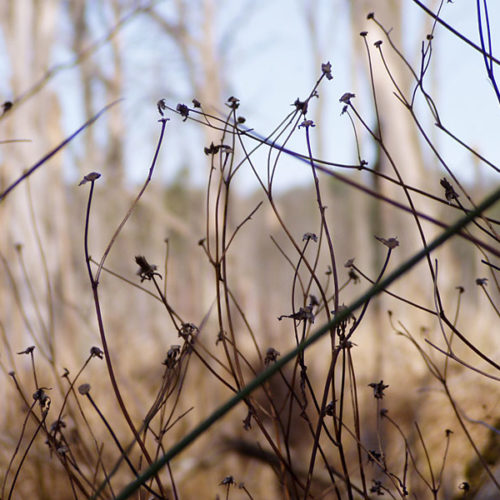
166, 340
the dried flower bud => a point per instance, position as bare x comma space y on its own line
161, 105
300, 106
326, 68
378, 389
172, 356
212, 150
330, 409
233, 102
307, 124
96, 352
28, 350
303, 314
146, 271
187, 331
271, 355
389, 243
309, 236
183, 110
6, 106
84, 389
346, 98
57, 425
449, 192
90, 178
313, 301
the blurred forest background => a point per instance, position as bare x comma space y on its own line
63, 61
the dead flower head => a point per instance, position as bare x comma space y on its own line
146, 270
346, 98
183, 110
378, 389
90, 178
271, 355
389, 242
326, 68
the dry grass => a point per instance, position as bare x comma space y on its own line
391, 401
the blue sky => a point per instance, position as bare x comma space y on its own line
269, 65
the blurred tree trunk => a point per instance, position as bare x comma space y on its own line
29, 31
197, 41
401, 138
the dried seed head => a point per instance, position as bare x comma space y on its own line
233, 102
465, 486
96, 352
307, 124
353, 275
162, 106
146, 271
330, 409
378, 389
43, 400
300, 106
188, 331
326, 68
93, 176
183, 110
449, 192
84, 389
228, 480
309, 236
172, 355
389, 243
346, 97
271, 355
303, 314
57, 425
212, 150
6, 106
28, 350
313, 301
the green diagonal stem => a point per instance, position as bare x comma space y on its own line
274, 368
